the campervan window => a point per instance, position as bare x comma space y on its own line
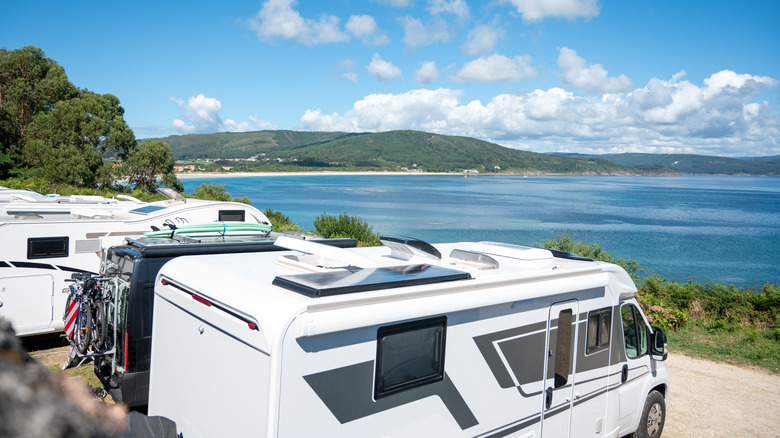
563, 348
47, 247
634, 331
232, 215
410, 355
599, 329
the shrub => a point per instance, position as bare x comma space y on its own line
280, 221
215, 192
345, 226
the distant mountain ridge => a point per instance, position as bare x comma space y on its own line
283, 150
697, 164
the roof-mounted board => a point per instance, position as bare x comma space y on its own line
339, 282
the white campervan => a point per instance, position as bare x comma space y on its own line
45, 239
408, 340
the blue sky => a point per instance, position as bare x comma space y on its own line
589, 76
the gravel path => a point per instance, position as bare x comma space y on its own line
713, 399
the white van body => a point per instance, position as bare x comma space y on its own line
44, 240
485, 340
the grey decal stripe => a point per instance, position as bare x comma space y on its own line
490, 354
512, 427
347, 392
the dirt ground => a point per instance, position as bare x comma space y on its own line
713, 399
707, 399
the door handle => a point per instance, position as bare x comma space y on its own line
624, 374
548, 397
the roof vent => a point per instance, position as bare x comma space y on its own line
325, 255
475, 260
405, 248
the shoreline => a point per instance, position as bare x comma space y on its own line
192, 175
212, 175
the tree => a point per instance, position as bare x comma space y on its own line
145, 164
30, 83
66, 144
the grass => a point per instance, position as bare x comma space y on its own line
712, 321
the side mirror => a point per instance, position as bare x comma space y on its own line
659, 348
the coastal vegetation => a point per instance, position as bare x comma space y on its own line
714, 321
53, 131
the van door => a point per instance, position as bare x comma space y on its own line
559, 369
636, 367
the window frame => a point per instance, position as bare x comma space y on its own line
437, 356
599, 345
642, 341
33, 252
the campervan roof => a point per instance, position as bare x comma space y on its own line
267, 285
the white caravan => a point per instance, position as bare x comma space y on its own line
488, 340
44, 241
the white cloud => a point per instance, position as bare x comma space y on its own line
417, 34
589, 78
496, 68
383, 70
482, 40
458, 8
537, 10
427, 73
278, 19
201, 114
666, 116
254, 124
365, 29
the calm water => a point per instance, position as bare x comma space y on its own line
723, 229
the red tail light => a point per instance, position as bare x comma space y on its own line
201, 300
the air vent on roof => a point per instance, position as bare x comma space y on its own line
405, 248
475, 260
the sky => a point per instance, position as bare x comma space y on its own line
585, 76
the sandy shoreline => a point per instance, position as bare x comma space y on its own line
190, 175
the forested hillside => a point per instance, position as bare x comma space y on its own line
697, 164
393, 151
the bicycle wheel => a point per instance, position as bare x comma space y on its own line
82, 330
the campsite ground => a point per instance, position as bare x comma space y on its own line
707, 399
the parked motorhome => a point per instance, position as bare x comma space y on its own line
43, 243
131, 269
463, 339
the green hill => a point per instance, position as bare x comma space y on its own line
385, 151
697, 164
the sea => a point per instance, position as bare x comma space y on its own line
720, 229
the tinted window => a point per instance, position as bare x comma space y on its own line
634, 332
43, 247
410, 355
231, 215
599, 329
563, 348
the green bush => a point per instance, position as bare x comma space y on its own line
280, 221
216, 192
345, 226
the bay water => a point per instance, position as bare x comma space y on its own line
724, 229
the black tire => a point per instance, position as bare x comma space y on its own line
651, 425
81, 338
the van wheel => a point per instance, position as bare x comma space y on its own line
653, 416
